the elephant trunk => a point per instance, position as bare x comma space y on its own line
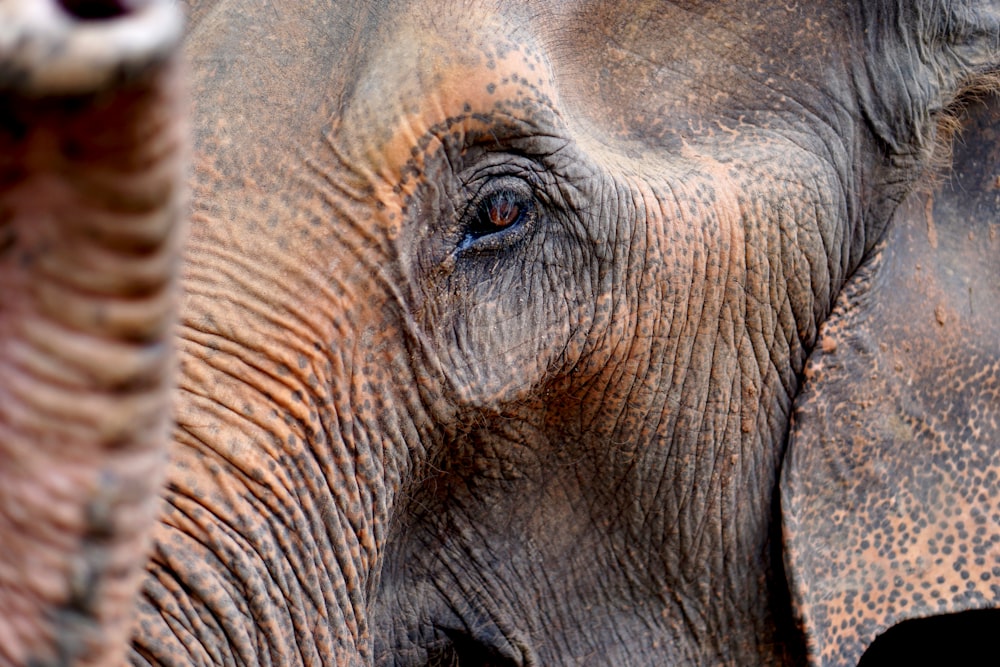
91, 173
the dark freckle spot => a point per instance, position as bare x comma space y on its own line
297, 395
467, 108
491, 88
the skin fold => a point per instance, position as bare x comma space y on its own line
494, 318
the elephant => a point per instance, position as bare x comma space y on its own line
359, 332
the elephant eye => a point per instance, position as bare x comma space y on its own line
499, 214
502, 212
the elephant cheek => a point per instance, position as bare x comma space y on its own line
91, 173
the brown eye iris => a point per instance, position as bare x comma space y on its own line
499, 212
503, 213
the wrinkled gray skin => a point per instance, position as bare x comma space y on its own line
494, 315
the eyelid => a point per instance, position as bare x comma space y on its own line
489, 184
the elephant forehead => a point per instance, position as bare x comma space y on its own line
432, 81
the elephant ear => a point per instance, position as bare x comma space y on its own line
891, 484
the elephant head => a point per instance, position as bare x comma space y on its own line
528, 334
